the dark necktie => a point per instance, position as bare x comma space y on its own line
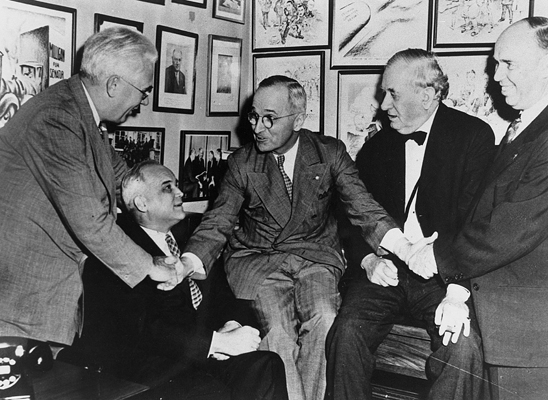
418, 136
512, 130
287, 181
194, 289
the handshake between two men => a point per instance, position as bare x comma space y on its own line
452, 314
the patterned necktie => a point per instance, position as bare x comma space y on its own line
512, 130
194, 289
287, 181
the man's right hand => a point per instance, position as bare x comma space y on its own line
233, 342
168, 271
380, 271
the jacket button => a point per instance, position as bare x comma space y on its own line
475, 286
447, 279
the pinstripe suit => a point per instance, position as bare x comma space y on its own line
274, 233
58, 203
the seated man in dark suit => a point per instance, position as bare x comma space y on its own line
157, 338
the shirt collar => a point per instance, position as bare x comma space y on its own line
93, 108
527, 116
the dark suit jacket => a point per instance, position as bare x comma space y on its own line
253, 193
141, 334
58, 202
503, 247
459, 149
171, 85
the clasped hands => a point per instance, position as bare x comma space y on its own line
169, 271
418, 256
234, 339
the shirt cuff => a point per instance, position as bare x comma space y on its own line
390, 239
458, 292
197, 264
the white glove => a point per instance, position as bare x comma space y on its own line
452, 314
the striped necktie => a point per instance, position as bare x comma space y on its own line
194, 289
512, 130
287, 181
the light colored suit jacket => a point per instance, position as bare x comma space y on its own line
58, 202
503, 247
253, 196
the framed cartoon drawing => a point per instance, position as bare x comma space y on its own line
369, 32
305, 67
459, 23
136, 144
175, 70
36, 51
280, 24
103, 21
230, 10
358, 105
225, 59
472, 89
202, 163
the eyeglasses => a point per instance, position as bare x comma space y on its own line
145, 92
268, 120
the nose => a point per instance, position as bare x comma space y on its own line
178, 192
259, 126
499, 73
386, 102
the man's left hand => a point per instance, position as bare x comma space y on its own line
452, 314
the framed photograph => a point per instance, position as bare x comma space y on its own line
103, 21
194, 3
472, 89
289, 25
223, 83
202, 163
305, 67
36, 51
161, 2
359, 100
368, 33
136, 144
175, 70
475, 24
230, 10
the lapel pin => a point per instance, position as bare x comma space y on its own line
316, 177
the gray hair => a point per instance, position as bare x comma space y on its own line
296, 93
116, 51
424, 70
540, 26
132, 182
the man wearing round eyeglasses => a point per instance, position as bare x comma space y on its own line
59, 179
285, 257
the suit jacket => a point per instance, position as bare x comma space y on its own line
253, 194
171, 85
127, 329
458, 151
58, 204
503, 247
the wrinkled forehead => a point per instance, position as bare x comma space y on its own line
157, 174
271, 99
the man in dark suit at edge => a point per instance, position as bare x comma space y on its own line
285, 257
159, 338
424, 170
503, 246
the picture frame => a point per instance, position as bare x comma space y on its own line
103, 21
224, 75
193, 3
37, 50
473, 90
359, 99
161, 2
177, 51
199, 180
456, 24
137, 143
230, 10
368, 33
305, 67
281, 25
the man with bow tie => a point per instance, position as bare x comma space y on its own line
424, 170
503, 246
162, 338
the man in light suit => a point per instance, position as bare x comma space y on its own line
503, 246
159, 338
426, 186
59, 181
175, 79
275, 211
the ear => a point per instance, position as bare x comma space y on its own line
428, 97
299, 121
113, 86
140, 203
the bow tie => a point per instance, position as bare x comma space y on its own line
418, 137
